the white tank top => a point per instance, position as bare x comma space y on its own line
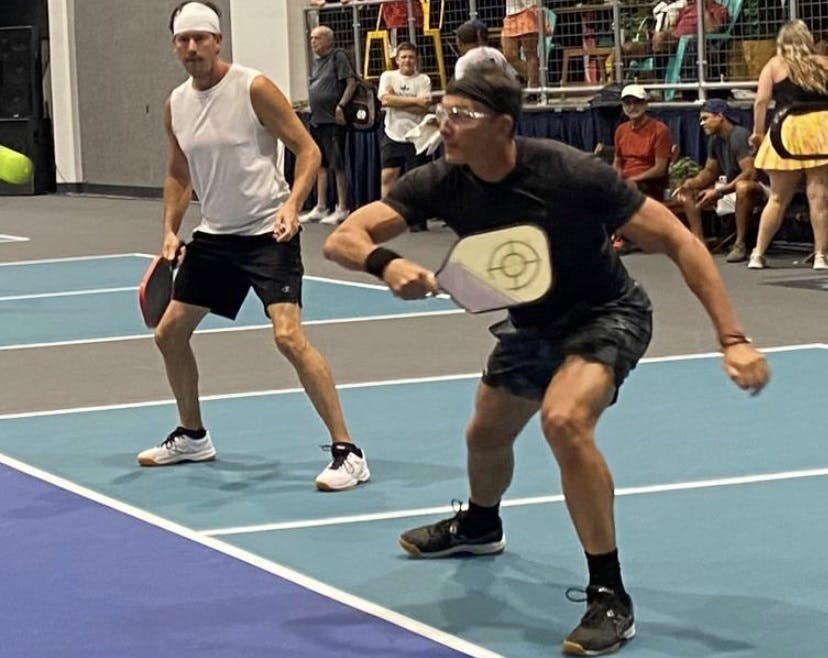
231, 156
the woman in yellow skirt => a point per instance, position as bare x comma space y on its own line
796, 74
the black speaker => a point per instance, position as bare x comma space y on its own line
20, 84
32, 137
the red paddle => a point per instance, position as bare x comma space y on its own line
155, 291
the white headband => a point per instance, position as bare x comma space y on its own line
196, 17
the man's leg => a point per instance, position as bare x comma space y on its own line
498, 419
389, 177
189, 442
749, 194
172, 336
311, 367
348, 466
576, 397
694, 217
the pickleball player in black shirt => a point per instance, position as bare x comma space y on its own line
564, 356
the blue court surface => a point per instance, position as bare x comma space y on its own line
721, 518
84, 299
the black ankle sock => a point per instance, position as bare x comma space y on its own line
191, 434
479, 519
350, 447
605, 571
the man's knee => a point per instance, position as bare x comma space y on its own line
566, 426
289, 339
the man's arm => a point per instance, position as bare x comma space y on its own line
277, 116
354, 244
747, 173
658, 170
654, 228
178, 189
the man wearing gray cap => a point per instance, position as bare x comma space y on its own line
727, 183
566, 355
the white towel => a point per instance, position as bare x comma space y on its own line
425, 135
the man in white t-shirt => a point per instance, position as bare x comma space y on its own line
222, 127
472, 39
406, 96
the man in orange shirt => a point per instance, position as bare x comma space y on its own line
642, 145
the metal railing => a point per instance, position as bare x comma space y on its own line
620, 31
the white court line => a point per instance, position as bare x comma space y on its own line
286, 573
13, 238
368, 384
68, 293
68, 259
517, 502
233, 329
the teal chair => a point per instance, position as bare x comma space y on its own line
674, 64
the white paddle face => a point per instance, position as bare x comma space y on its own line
800, 133
498, 269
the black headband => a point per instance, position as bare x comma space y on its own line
478, 89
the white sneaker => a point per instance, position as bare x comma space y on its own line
313, 215
757, 262
336, 217
347, 469
820, 262
177, 448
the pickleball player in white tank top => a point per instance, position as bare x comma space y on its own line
231, 155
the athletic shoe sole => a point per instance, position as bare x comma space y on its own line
492, 548
324, 486
574, 649
148, 461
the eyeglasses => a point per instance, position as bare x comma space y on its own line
458, 115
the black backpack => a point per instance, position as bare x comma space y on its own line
363, 111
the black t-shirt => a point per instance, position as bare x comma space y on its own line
577, 199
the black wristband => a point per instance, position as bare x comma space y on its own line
734, 339
378, 260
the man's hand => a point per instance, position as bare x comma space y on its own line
756, 140
339, 115
707, 198
746, 366
172, 248
684, 191
408, 280
285, 224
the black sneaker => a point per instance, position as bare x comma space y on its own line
448, 537
607, 624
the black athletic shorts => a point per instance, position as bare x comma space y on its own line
218, 270
330, 138
526, 358
402, 155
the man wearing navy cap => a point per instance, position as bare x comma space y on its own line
728, 180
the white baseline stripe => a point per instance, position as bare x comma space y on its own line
13, 238
407, 623
68, 293
68, 259
517, 502
368, 384
225, 330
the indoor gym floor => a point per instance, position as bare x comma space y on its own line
719, 494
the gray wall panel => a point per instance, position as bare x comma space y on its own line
125, 70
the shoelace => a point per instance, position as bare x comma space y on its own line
169, 442
597, 609
340, 458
